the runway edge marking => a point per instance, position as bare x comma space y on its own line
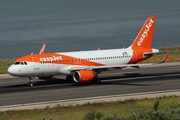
81, 101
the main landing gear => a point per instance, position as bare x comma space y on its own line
69, 79
96, 81
30, 81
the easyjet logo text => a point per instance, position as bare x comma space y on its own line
54, 58
145, 33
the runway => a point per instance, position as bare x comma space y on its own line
162, 77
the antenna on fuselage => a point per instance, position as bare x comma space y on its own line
32, 53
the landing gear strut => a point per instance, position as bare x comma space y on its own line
96, 81
30, 82
69, 78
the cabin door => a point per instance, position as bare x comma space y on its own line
36, 63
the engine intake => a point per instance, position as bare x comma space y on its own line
83, 76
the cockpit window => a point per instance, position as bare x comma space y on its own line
20, 63
16, 63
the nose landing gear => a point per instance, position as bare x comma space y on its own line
30, 81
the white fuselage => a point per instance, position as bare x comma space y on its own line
56, 67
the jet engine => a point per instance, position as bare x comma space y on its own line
83, 76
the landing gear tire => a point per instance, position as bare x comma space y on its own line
69, 79
96, 81
30, 84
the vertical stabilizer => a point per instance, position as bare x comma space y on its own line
144, 38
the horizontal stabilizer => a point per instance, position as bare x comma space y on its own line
154, 53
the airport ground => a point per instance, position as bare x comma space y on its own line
145, 82
159, 108
15, 92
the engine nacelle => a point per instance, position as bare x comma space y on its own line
83, 76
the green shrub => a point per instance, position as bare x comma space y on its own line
151, 114
92, 115
156, 105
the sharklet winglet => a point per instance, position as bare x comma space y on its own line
165, 58
43, 49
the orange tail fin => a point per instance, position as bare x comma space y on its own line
144, 38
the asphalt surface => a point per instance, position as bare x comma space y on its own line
14, 90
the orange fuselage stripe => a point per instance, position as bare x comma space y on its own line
58, 59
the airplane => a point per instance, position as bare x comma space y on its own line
84, 66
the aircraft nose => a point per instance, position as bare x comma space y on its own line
12, 70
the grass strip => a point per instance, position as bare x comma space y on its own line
79, 112
173, 57
4, 65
